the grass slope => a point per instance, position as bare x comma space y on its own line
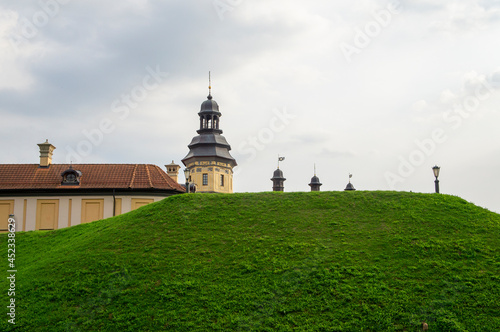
329, 261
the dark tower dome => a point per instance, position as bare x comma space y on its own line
349, 187
210, 106
315, 180
315, 184
278, 174
278, 180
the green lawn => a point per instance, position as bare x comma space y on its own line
329, 261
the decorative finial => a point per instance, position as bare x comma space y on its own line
314, 169
350, 176
209, 86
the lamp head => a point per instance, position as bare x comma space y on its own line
436, 169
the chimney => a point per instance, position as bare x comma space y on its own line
173, 171
46, 150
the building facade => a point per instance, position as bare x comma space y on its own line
48, 196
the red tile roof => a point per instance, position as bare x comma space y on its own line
94, 176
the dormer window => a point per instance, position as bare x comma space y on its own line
71, 177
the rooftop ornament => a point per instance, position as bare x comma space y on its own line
436, 170
186, 174
349, 186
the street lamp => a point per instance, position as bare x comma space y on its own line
186, 174
436, 169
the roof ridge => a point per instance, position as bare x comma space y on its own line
133, 176
162, 173
149, 176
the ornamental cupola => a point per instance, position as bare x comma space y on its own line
209, 116
349, 186
315, 183
278, 178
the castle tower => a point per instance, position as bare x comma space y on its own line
210, 164
278, 180
315, 183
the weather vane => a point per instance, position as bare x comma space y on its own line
280, 159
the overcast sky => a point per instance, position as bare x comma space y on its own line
380, 89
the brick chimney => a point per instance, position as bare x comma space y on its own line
46, 150
173, 171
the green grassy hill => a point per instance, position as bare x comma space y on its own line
329, 261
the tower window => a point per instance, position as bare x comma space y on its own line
222, 180
205, 179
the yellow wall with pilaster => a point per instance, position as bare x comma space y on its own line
68, 208
214, 170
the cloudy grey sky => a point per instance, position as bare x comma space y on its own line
380, 89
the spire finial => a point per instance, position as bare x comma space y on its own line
350, 176
314, 169
209, 86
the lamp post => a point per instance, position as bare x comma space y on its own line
436, 169
186, 174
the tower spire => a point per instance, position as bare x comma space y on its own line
209, 86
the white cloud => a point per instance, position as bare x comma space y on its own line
419, 106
